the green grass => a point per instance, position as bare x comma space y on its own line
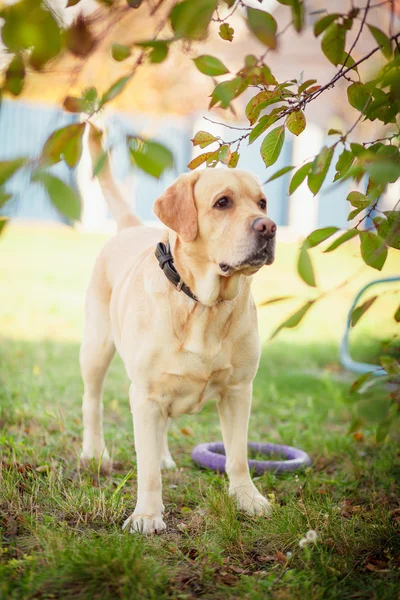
61, 528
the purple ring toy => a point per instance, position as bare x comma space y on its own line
212, 456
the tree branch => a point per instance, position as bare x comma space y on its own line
301, 104
358, 35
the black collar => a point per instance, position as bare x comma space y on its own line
166, 262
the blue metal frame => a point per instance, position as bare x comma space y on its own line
345, 358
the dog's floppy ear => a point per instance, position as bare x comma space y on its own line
176, 207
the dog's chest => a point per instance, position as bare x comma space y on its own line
189, 382
194, 369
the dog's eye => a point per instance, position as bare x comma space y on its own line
223, 203
263, 204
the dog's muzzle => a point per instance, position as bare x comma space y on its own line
264, 252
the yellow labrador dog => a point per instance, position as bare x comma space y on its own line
177, 306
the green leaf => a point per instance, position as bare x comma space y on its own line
358, 96
15, 76
360, 310
305, 85
295, 318
305, 268
382, 170
4, 197
320, 235
266, 76
30, 25
397, 315
263, 124
203, 139
352, 214
209, 65
323, 23
296, 122
259, 129
382, 431
64, 143
9, 167
226, 32
260, 101
359, 382
335, 132
373, 409
272, 145
357, 149
153, 158
390, 364
226, 91
299, 177
344, 163
160, 52
159, 48
373, 249
345, 237
382, 40
90, 98
333, 43
319, 169
100, 163
224, 154
61, 195
114, 90
298, 14
263, 26
3, 223
389, 228
120, 52
279, 173
273, 300
233, 160
348, 62
355, 424
393, 232
358, 200
190, 19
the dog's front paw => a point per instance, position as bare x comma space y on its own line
147, 524
249, 499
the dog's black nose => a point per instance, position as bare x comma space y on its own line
265, 227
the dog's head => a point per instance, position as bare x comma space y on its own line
222, 214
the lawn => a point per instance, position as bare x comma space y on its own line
61, 527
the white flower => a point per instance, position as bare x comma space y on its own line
303, 542
289, 555
311, 535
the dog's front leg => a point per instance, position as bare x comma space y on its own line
149, 427
234, 412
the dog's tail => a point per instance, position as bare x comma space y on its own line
116, 203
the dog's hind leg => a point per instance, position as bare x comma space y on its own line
97, 350
167, 462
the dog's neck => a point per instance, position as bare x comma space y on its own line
202, 276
